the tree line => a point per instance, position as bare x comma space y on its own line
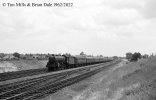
135, 56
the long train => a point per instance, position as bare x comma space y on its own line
56, 63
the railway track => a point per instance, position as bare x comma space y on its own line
40, 87
24, 73
13, 75
21, 86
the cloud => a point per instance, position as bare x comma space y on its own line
92, 26
149, 9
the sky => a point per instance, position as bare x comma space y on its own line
96, 27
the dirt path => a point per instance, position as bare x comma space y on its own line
133, 81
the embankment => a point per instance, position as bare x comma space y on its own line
17, 65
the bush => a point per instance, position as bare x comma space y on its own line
136, 56
16, 55
133, 57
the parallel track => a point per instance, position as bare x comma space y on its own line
16, 88
13, 75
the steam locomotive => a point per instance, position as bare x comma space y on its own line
56, 63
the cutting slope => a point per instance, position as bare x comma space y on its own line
18, 65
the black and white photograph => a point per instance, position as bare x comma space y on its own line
77, 50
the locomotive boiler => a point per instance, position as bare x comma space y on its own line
56, 63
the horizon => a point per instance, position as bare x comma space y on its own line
151, 54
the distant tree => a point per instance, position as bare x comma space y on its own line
16, 54
101, 55
145, 56
82, 53
68, 54
115, 57
136, 56
129, 56
2, 55
31, 55
152, 55
59, 54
